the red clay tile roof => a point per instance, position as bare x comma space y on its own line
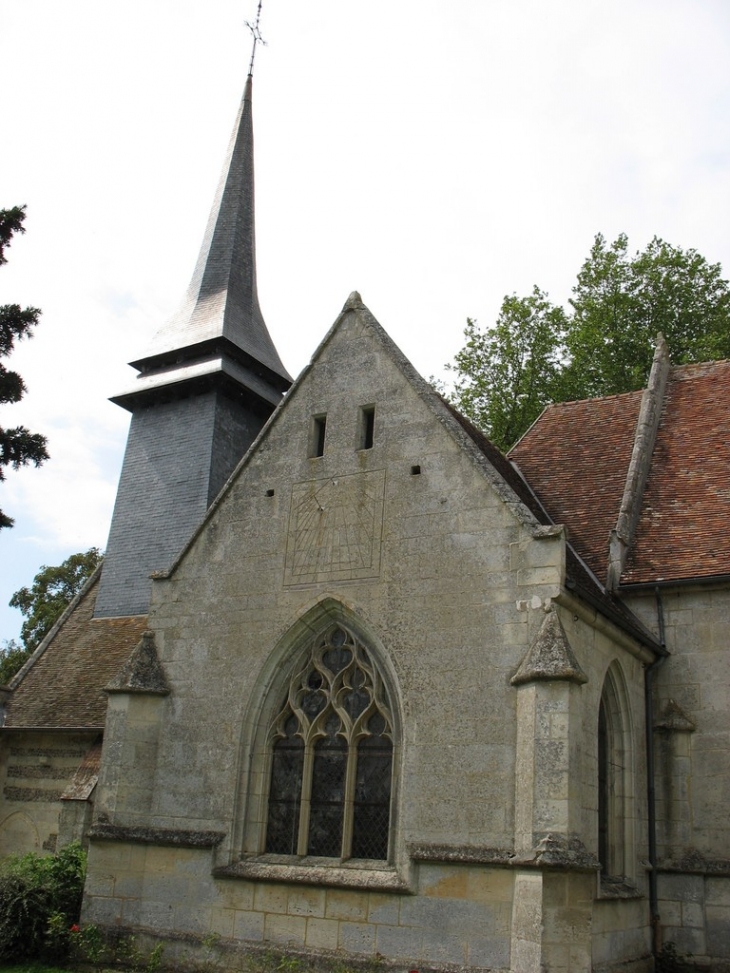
578, 578
683, 530
575, 458
577, 454
64, 686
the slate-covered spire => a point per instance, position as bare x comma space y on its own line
219, 325
207, 384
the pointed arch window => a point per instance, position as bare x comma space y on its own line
332, 756
615, 778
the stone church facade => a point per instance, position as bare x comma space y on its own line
390, 694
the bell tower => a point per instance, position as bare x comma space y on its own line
206, 385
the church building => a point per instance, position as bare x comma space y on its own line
353, 685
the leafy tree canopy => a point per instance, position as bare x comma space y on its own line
538, 353
18, 446
51, 592
12, 659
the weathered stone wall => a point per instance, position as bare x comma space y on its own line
460, 917
35, 769
692, 746
419, 547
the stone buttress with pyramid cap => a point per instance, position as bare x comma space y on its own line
206, 385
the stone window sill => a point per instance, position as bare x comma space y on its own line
353, 874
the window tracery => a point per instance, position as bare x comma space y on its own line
332, 755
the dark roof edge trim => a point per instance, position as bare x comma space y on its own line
694, 582
636, 632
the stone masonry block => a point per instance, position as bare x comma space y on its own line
222, 922
237, 895
489, 952
567, 926
445, 915
342, 904
718, 892
322, 933
446, 949
249, 926
399, 943
271, 898
357, 937
99, 883
718, 932
306, 902
193, 918
693, 915
159, 915
285, 930
383, 908
102, 911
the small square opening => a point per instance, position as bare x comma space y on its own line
415, 470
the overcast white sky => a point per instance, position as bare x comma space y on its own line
434, 156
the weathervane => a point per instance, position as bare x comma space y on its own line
256, 34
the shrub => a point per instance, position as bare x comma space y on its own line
40, 899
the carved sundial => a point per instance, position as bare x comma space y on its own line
334, 528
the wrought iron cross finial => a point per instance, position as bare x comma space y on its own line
256, 34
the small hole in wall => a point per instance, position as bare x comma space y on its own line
415, 470
269, 493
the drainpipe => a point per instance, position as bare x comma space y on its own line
650, 791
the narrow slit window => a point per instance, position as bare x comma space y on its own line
367, 426
317, 435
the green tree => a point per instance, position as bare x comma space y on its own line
18, 446
603, 345
510, 372
51, 592
620, 303
12, 659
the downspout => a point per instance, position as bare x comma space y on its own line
650, 789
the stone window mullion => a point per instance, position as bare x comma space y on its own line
306, 803
347, 823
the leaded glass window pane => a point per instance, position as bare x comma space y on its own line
328, 793
286, 792
371, 812
332, 756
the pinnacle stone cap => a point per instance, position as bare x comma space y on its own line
221, 303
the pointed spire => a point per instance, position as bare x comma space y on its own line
208, 383
220, 314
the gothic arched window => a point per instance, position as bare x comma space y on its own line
615, 778
332, 756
